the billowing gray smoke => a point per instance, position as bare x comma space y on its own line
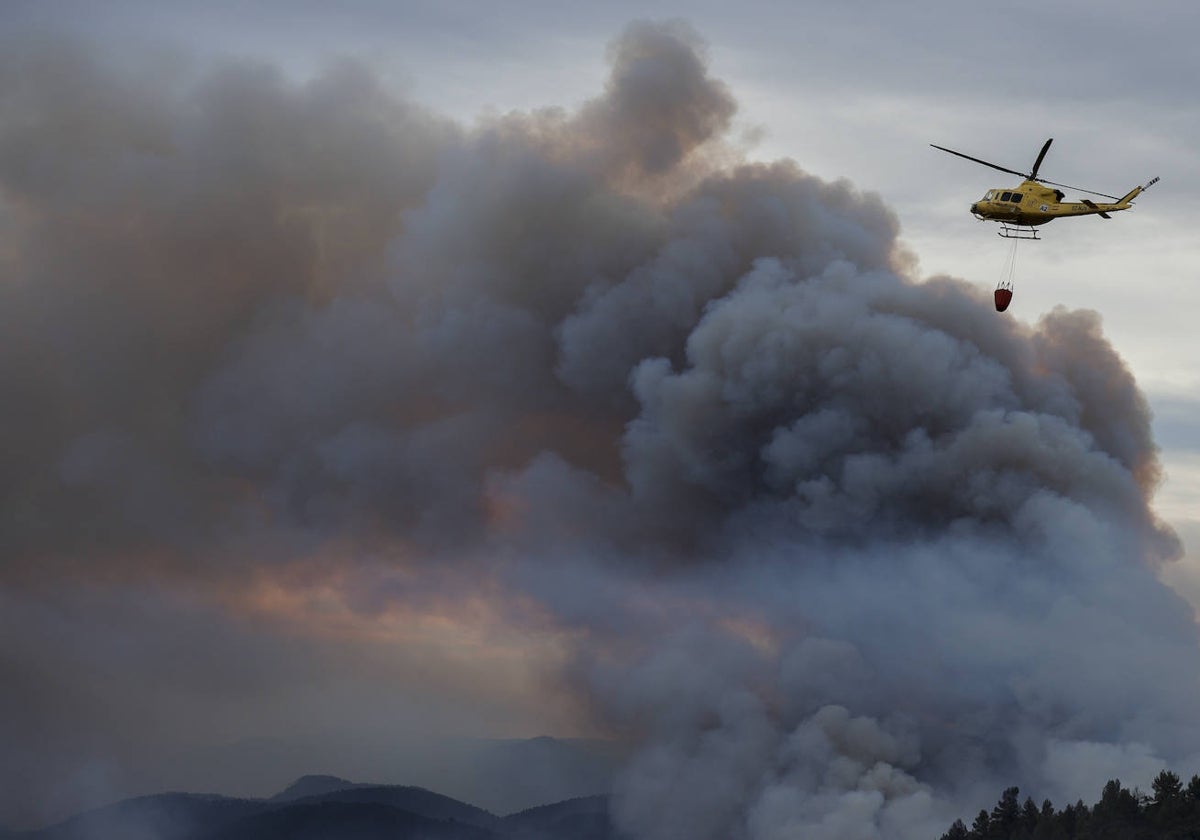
840, 552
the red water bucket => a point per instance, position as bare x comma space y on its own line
1003, 299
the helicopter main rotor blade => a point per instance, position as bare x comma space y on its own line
1037, 163
977, 160
1077, 189
1032, 176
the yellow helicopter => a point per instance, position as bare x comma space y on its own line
1020, 209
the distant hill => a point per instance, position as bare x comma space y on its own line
314, 786
513, 775
315, 807
346, 821
166, 816
414, 800
585, 818
500, 775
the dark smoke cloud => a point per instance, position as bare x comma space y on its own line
840, 552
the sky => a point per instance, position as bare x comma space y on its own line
450, 369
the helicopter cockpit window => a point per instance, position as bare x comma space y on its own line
1006, 197
1016, 197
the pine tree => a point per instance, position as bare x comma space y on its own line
1029, 815
1169, 811
1168, 789
1047, 824
1006, 816
1117, 815
958, 831
982, 825
1071, 822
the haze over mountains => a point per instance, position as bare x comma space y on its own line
327, 806
501, 775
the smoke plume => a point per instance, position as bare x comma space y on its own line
838, 551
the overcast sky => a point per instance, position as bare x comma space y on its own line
854, 91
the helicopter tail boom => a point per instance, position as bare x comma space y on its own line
1122, 203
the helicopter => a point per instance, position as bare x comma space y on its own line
1020, 209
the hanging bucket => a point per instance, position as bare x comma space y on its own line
1003, 298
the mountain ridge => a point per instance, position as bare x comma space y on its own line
352, 810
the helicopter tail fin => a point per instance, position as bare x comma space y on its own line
1130, 196
1136, 191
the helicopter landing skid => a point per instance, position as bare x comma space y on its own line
1018, 231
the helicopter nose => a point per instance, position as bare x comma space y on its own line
975, 208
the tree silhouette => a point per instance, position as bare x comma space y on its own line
1006, 816
1172, 813
958, 831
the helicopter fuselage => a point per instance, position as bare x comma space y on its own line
1034, 204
